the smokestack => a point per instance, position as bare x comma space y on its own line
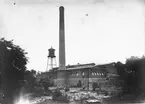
61, 39
61, 73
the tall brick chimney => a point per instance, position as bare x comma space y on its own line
61, 39
61, 73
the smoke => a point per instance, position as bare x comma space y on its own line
22, 99
26, 98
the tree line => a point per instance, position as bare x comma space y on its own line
133, 75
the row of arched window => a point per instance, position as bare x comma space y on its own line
98, 73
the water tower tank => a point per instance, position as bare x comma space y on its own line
51, 53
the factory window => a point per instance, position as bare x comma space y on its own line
83, 74
77, 73
97, 73
94, 73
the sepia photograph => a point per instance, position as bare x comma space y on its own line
72, 51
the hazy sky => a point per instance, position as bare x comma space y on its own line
98, 31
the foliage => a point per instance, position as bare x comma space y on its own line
132, 72
57, 96
12, 66
135, 69
29, 76
45, 83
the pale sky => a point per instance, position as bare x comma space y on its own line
112, 31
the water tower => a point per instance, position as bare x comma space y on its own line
51, 58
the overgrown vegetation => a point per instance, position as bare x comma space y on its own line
13, 62
57, 96
132, 73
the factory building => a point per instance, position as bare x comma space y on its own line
86, 76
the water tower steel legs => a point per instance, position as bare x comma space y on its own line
51, 58
51, 62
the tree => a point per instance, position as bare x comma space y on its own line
33, 72
12, 67
30, 79
45, 83
120, 69
134, 67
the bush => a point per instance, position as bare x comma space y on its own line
57, 96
